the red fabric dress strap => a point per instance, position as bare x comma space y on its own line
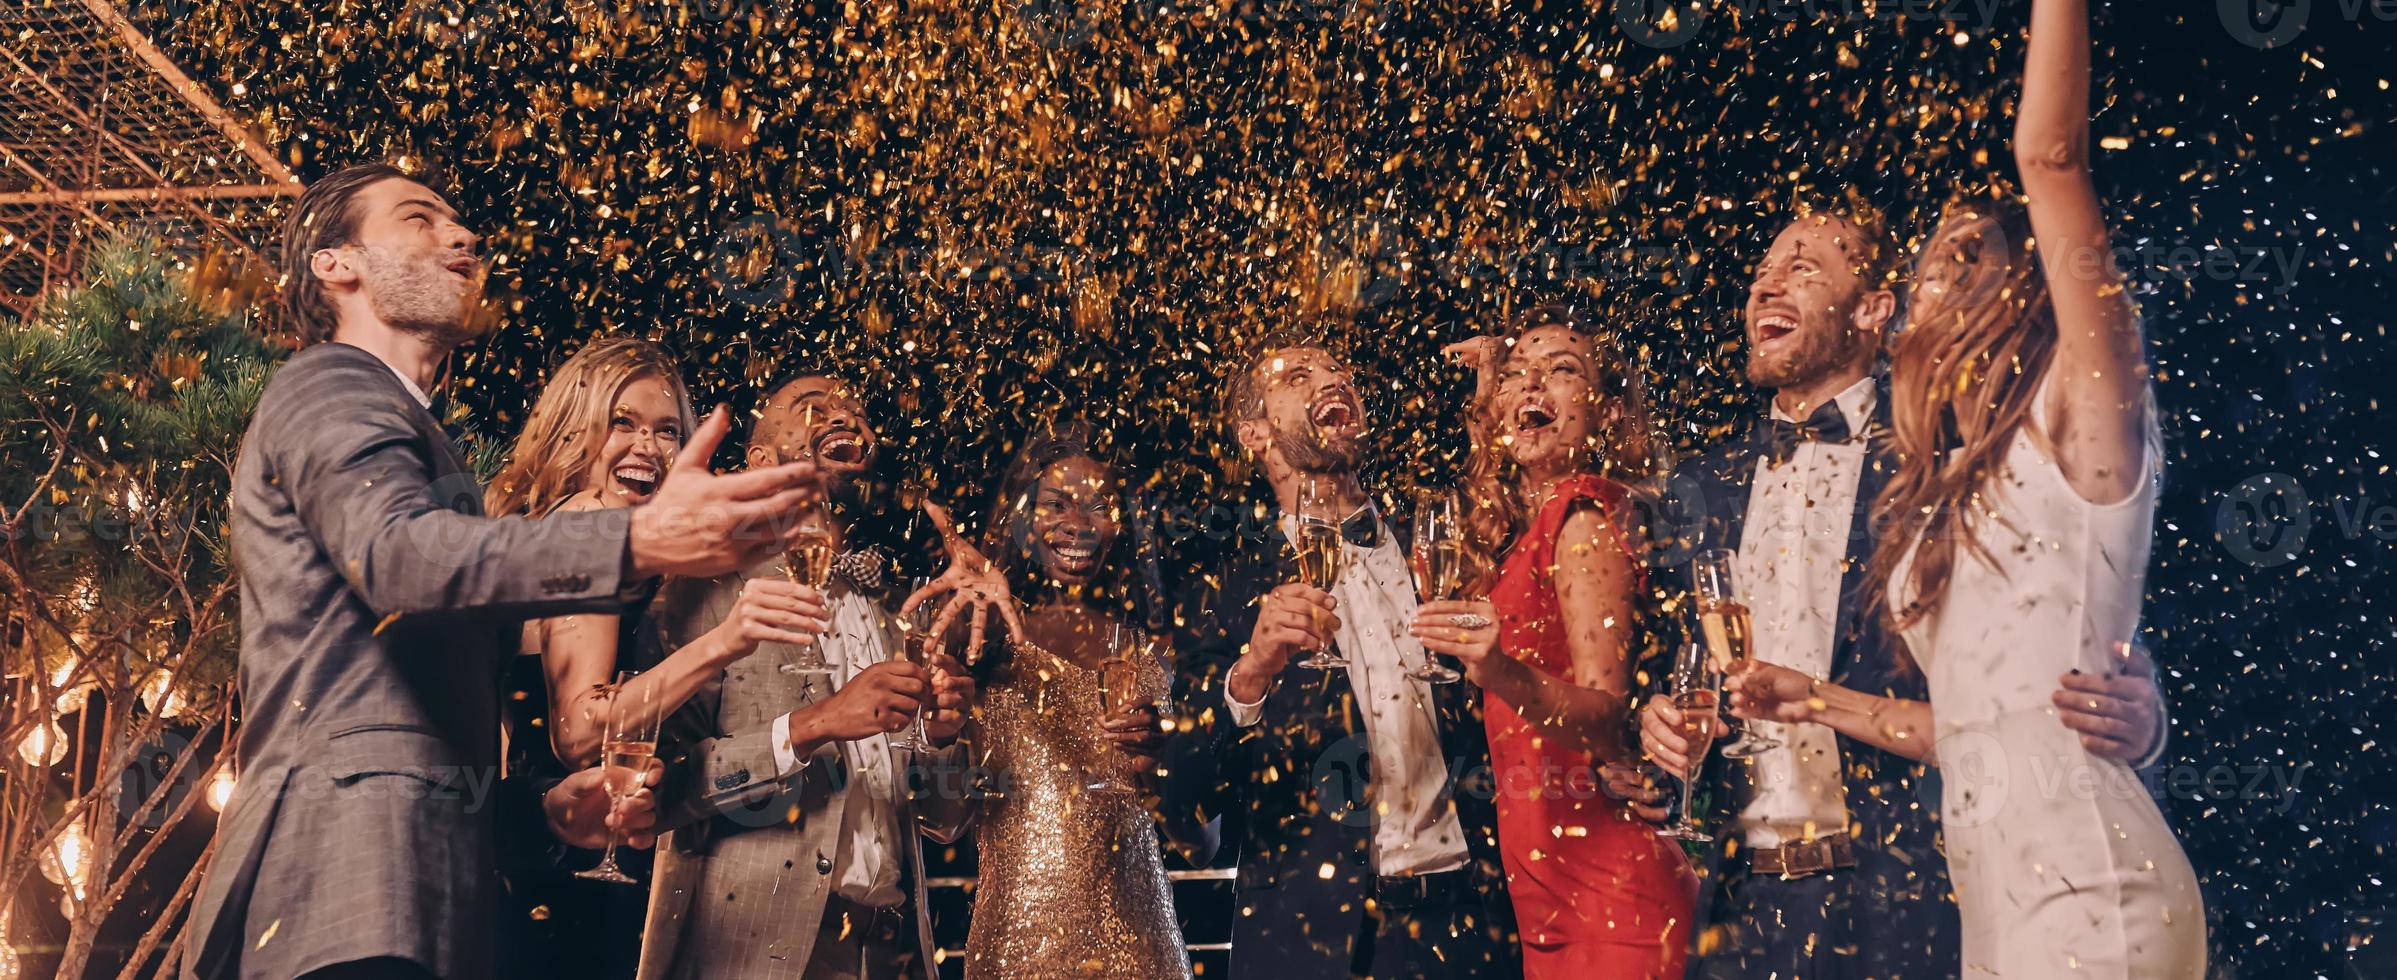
1576, 492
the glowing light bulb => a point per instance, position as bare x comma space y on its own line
62, 860
220, 789
158, 694
45, 745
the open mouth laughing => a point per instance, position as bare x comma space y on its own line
841, 446
1533, 415
1075, 556
1335, 411
1771, 327
465, 267
636, 479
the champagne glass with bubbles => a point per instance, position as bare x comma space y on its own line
632, 740
1696, 696
1320, 560
1723, 622
1438, 557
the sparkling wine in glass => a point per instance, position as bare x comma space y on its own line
1438, 557
916, 648
1120, 693
809, 563
1724, 623
1696, 697
632, 740
1320, 559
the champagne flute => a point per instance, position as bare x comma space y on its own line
916, 648
809, 563
1696, 697
1320, 558
1439, 559
1723, 621
632, 740
1120, 694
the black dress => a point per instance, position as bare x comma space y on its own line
561, 925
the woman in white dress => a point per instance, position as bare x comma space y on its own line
2021, 517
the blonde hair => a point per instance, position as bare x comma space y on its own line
1963, 378
553, 455
1494, 509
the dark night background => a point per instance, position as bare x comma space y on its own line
996, 215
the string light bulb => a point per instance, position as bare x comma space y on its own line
220, 789
45, 745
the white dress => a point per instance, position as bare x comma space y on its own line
2062, 863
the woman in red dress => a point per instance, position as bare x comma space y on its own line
1597, 894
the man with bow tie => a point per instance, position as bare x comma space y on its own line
1825, 862
795, 848
1360, 854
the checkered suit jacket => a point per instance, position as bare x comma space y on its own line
742, 878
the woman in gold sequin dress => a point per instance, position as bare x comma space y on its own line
1072, 882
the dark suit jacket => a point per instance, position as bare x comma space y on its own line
1898, 913
1291, 789
377, 607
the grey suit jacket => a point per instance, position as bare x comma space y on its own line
377, 607
742, 877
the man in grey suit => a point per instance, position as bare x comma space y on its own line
378, 606
793, 850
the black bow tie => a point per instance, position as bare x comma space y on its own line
862, 569
1827, 424
1363, 529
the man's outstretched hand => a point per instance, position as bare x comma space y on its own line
703, 523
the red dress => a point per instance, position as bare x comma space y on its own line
1597, 893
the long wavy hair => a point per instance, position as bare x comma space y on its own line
1007, 536
1623, 450
552, 456
1963, 377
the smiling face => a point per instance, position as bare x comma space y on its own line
1808, 311
1074, 519
642, 434
1313, 416
411, 261
815, 418
1547, 406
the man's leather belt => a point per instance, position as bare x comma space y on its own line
1411, 891
1798, 859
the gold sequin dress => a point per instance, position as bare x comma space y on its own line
1072, 882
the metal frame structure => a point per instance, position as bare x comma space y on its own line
101, 133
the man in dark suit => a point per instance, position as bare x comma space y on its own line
1360, 854
1826, 862
378, 606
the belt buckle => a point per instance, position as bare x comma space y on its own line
1789, 860
1401, 891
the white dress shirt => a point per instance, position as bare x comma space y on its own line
1415, 829
410, 384
1792, 557
865, 865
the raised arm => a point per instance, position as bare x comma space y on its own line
361, 477
2098, 398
